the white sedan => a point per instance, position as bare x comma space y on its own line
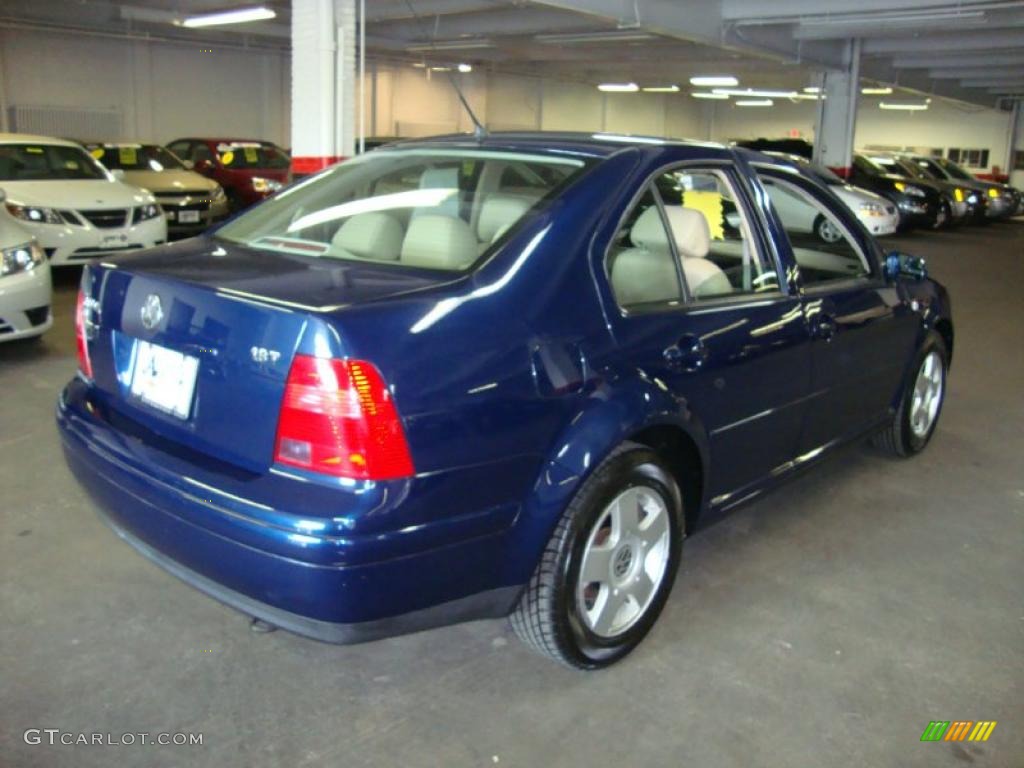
879, 216
25, 294
72, 205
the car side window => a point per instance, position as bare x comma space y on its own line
822, 247
201, 152
717, 254
180, 148
641, 261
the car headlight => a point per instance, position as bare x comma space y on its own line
871, 209
35, 214
21, 258
263, 186
993, 192
147, 212
958, 195
218, 194
909, 189
972, 198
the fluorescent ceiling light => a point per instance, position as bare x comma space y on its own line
465, 68
754, 103
661, 89
883, 91
618, 87
449, 45
708, 95
440, 69
237, 16
706, 81
626, 36
756, 93
908, 107
812, 89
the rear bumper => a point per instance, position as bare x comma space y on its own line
337, 588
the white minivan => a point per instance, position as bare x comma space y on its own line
74, 207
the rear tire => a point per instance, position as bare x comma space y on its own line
608, 568
916, 417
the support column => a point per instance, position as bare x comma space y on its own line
1016, 144
837, 112
323, 83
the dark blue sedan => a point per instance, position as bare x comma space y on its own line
459, 378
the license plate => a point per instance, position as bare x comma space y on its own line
164, 379
188, 217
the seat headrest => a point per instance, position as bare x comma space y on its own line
439, 242
648, 230
497, 214
690, 231
640, 276
373, 235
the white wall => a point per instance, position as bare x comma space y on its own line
167, 90
162, 90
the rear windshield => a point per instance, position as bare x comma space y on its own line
41, 162
135, 157
251, 155
437, 209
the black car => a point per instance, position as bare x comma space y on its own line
995, 200
921, 203
955, 195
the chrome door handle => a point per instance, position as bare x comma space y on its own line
688, 354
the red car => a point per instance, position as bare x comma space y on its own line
248, 170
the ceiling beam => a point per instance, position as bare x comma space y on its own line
961, 73
946, 41
794, 9
491, 24
958, 59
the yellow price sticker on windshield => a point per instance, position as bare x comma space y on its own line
127, 155
34, 150
98, 152
251, 156
227, 158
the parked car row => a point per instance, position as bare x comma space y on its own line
64, 203
923, 191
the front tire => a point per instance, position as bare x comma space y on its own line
607, 571
916, 417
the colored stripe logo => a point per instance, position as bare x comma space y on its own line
958, 730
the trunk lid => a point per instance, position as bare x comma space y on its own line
219, 326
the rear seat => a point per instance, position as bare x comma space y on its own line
497, 214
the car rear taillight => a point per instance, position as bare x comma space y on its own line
84, 363
338, 418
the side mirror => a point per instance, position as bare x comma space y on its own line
118, 173
903, 265
189, 165
202, 165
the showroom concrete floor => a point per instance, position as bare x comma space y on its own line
824, 625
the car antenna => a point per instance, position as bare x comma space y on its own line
479, 131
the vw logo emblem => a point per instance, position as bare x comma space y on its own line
152, 312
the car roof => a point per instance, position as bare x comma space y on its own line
28, 138
600, 144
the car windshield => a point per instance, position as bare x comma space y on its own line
931, 169
135, 157
954, 170
892, 165
430, 208
44, 162
251, 154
